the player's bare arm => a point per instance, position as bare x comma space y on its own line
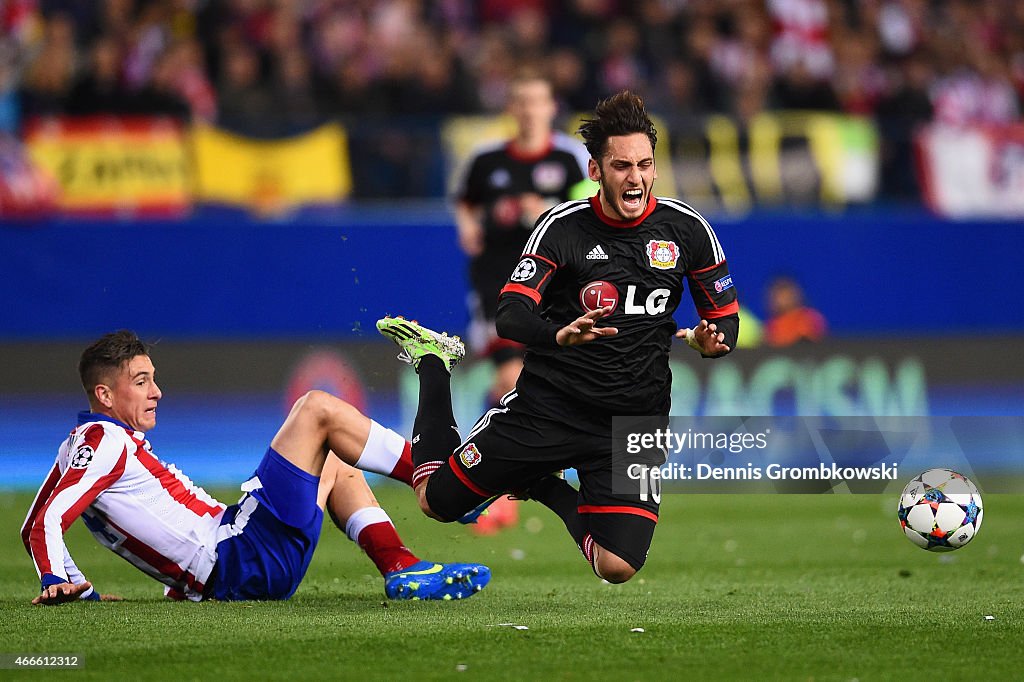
582, 329
531, 205
470, 229
706, 338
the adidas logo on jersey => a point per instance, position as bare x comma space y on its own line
597, 253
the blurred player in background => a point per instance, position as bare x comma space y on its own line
503, 190
619, 258
155, 517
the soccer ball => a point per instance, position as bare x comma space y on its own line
940, 510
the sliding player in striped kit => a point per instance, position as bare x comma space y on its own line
155, 517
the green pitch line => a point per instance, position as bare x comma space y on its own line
772, 587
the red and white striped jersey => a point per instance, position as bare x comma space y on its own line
146, 511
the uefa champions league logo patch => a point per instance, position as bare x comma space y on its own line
82, 457
526, 269
470, 456
662, 255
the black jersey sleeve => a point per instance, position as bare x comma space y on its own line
517, 319
530, 277
540, 259
708, 278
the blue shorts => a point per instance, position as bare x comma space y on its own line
266, 541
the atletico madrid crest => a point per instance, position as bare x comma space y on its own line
662, 255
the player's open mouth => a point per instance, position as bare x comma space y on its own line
632, 198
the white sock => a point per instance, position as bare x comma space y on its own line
382, 451
361, 518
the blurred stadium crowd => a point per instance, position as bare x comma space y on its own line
273, 67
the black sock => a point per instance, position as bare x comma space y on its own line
557, 495
435, 434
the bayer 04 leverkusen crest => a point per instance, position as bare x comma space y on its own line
662, 254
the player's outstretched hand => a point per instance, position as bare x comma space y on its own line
582, 329
60, 593
707, 338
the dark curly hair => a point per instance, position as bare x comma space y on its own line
107, 354
621, 114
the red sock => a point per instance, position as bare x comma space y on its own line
386, 453
403, 469
381, 543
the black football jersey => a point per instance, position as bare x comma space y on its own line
577, 260
497, 175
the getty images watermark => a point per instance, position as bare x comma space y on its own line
657, 455
690, 441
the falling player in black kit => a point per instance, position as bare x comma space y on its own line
619, 259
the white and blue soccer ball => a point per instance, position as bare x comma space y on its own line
940, 510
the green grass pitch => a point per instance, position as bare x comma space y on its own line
736, 587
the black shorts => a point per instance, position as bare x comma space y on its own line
508, 450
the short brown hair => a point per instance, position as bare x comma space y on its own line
620, 114
108, 353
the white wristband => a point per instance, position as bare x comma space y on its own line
691, 341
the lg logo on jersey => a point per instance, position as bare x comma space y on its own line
602, 294
599, 294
